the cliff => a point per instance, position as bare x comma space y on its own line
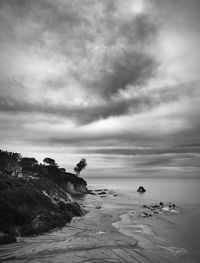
39, 200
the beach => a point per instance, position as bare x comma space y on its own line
113, 230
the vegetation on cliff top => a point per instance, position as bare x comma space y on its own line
34, 197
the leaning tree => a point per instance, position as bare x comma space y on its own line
80, 166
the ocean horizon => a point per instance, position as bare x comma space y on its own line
177, 190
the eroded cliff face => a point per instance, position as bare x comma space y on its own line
76, 189
32, 205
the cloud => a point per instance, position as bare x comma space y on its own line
126, 103
80, 50
111, 78
130, 68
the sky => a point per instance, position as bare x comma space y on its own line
112, 81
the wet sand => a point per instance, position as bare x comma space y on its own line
92, 238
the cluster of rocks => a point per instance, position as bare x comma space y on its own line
101, 192
98, 192
151, 210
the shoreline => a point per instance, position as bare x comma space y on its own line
93, 237
159, 235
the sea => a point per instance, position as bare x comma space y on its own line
176, 233
177, 190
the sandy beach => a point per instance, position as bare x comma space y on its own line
104, 234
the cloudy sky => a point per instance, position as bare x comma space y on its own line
114, 81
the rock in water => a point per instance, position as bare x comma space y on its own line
141, 189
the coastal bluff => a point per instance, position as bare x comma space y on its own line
36, 198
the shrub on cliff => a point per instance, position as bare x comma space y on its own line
50, 161
62, 178
26, 208
9, 162
28, 164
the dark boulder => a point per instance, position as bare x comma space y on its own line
91, 192
155, 206
141, 189
146, 206
171, 206
102, 193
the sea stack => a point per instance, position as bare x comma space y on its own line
141, 189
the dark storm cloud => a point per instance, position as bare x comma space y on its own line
132, 64
131, 68
140, 102
83, 115
69, 31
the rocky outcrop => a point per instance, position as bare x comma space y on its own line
141, 189
151, 210
76, 189
103, 193
34, 205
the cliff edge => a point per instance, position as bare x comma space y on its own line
38, 200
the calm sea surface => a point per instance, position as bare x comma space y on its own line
179, 231
183, 191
